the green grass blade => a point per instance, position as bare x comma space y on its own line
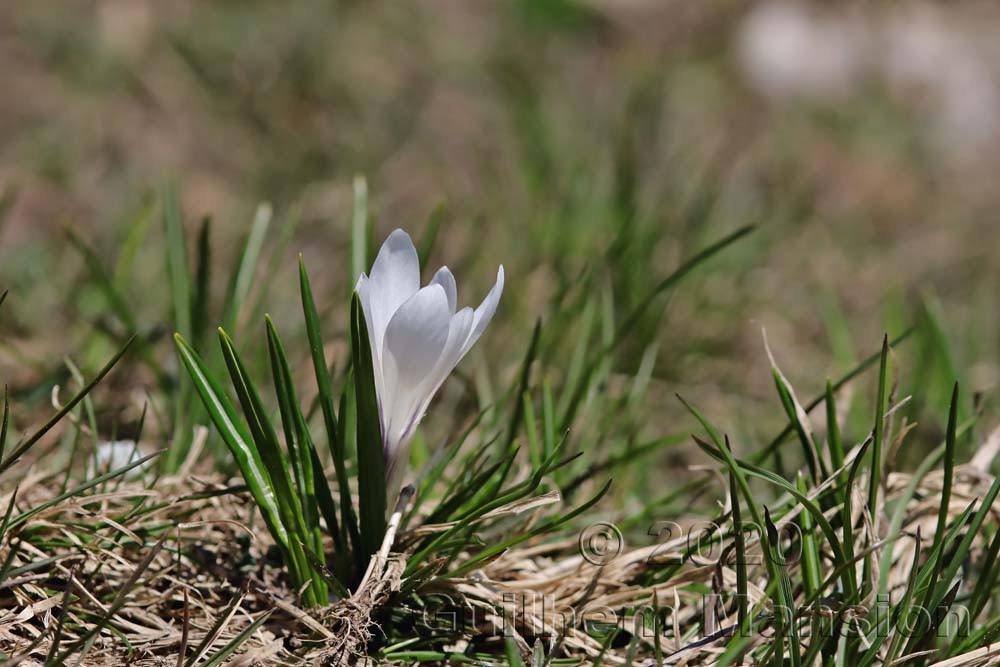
636, 313
722, 454
878, 434
957, 558
203, 282
847, 518
324, 499
291, 419
31, 440
833, 441
359, 230
942, 348
946, 484
6, 422
675, 277
987, 580
512, 654
242, 279
338, 448
138, 229
430, 235
535, 454
864, 365
542, 529
730, 460
300, 446
739, 545
900, 610
787, 626
96, 267
177, 269
372, 501
223, 654
234, 433
222, 619
798, 418
811, 562
524, 376
265, 440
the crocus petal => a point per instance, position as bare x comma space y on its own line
459, 326
484, 313
363, 288
458, 332
445, 279
414, 340
395, 277
111, 455
417, 339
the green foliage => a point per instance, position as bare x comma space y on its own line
287, 480
372, 490
571, 411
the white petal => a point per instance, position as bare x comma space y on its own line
414, 340
111, 455
445, 279
484, 313
395, 277
458, 332
363, 288
464, 329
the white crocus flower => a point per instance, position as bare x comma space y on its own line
417, 339
114, 454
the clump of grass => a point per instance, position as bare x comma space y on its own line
287, 481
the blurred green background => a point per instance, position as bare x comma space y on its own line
585, 145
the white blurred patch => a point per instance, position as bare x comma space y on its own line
788, 50
942, 68
941, 65
115, 454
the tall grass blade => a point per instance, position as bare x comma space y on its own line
234, 433
265, 441
430, 235
878, 434
335, 439
636, 313
524, 377
864, 365
177, 269
946, 484
297, 438
242, 278
787, 625
67, 407
798, 418
202, 282
372, 501
833, 441
234, 644
359, 230
740, 547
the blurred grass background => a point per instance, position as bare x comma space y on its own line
565, 139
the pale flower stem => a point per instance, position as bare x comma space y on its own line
377, 564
